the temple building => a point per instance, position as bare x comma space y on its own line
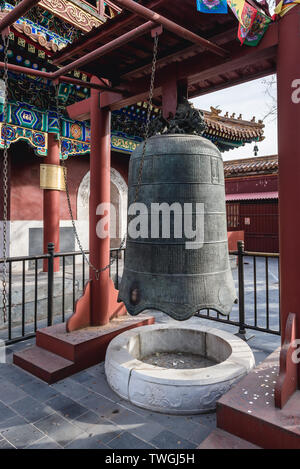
251, 186
37, 117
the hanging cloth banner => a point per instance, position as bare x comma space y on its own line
212, 6
253, 22
285, 5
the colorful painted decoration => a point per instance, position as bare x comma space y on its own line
253, 22
255, 34
212, 6
32, 125
284, 6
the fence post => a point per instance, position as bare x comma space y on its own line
242, 330
50, 282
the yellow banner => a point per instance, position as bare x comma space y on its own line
283, 7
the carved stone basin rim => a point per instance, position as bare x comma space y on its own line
176, 391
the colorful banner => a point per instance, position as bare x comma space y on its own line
284, 6
212, 6
253, 22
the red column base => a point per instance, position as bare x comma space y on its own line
82, 315
288, 381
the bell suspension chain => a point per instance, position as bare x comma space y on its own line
146, 137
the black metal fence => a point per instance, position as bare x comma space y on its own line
36, 299
258, 306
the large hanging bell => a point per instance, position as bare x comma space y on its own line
173, 274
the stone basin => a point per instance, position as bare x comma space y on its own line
169, 390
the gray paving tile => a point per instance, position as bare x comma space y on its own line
94, 425
66, 407
20, 433
99, 404
97, 370
146, 430
44, 443
86, 441
31, 409
81, 377
5, 412
99, 385
189, 430
15, 375
208, 420
87, 420
9, 392
6, 445
128, 441
136, 424
39, 390
58, 429
168, 440
138, 410
71, 388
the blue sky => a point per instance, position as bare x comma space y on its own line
249, 99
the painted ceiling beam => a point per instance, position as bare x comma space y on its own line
70, 51
16, 13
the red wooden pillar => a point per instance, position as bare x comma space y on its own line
288, 70
51, 207
99, 194
99, 303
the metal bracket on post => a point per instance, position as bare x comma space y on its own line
157, 31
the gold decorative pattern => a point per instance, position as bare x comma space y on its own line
71, 13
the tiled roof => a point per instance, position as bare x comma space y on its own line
252, 196
264, 164
232, 128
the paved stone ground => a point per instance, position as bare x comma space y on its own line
83, 412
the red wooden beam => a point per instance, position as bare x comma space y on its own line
204, 66
69, 52
16, 13
106, 48
49, 76
171, 26
80, 111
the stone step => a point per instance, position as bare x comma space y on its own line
59, 353
73, 345
219, 439
44, 364
248, 410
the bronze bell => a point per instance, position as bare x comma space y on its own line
170, 273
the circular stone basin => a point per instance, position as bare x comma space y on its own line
223, 360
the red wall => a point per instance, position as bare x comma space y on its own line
264, 183
26, 199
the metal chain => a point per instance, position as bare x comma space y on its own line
99, 271
148, 120
5, 179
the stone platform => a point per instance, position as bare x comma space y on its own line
59, 354
248, 411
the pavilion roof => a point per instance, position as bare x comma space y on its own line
129, 66
233, 128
